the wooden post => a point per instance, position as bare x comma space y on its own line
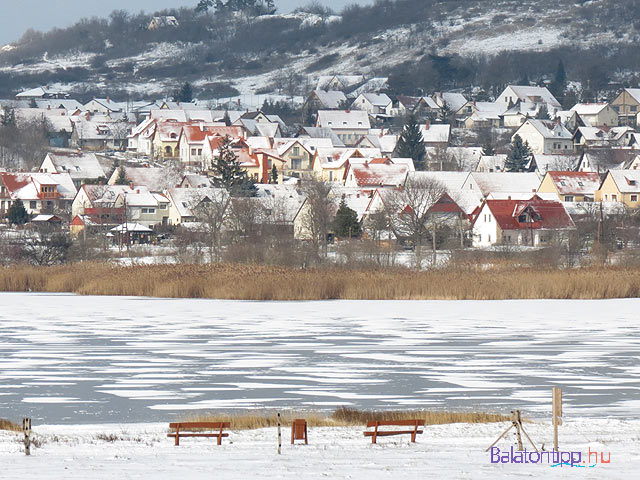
516, 422
279, 436
556, 405
26, 427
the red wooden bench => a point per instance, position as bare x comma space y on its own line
299, 431
199, 429
394, 423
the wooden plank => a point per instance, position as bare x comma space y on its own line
395, 423
188, 425
386, 433
225, 435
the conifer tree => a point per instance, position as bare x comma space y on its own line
121, 179
274, 174
345, 223
17, 214
519, 155
411, 144
229, 174
488, 149
184, 94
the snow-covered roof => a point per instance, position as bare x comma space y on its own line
377, 99
548, 214
488, 182
79, 165
550, 129
455, 101
184, 200
156, 179
635, 93
435, 133
131, 228
385, 142
627, 181
575, 183
589, 108
318, 132
535, 94
346, 80
331, 99
343, 119
28, 186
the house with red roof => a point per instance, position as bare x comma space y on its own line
535, 222
571, 186
376, 173
40, 193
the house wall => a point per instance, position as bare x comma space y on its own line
607, 116
486, 231
627, 109
609, 192
302, 156
548, 186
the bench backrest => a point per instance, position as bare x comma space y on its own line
396, 423
197, 425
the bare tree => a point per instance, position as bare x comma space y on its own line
317, 213
211, 209
410, 212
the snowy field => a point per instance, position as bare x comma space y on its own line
94, 360
105, 452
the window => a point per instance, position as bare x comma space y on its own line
568, 198
614, 198
199, 151
296, 150
296, 164
193, 151
581, 184
633, 108
33, 204
634, 198
149, 210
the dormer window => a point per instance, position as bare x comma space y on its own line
581, 184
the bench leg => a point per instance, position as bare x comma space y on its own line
177, 443
306, 438
375, 434
220, 437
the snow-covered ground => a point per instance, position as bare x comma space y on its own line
444, 451
70, 359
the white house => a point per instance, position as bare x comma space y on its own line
40, 193
81, 166
373, 103
348, 125
545, 136
597, 114
526, 93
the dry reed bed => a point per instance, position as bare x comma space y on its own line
255, 282
346, 417
10, 426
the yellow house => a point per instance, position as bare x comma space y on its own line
165, 140
330, 165
571, 186
622, 186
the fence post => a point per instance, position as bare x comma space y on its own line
556, 406
279, 436
26, 428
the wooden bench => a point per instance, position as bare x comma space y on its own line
394, 423
195, 429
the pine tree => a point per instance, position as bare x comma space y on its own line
519, 155
228, 174
559, 84
345, 223
121, 179
445, 113
411, 144
184, 94
488, 148
543, 113
17, 214
274, 174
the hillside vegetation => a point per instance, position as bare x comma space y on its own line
454, 43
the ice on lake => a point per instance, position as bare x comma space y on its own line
70, 359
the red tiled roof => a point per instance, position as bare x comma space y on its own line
548, 214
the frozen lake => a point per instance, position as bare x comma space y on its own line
69, 359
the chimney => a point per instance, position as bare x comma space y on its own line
108, 100
138, 191
131, 186
427, 125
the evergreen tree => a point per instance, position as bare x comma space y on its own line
345, 223
228, 174
184, 94
559, 84
226, 119
488, 148
17, 214
445, 113
274, 174
121, 179
543, 113
411, 144
519, 155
